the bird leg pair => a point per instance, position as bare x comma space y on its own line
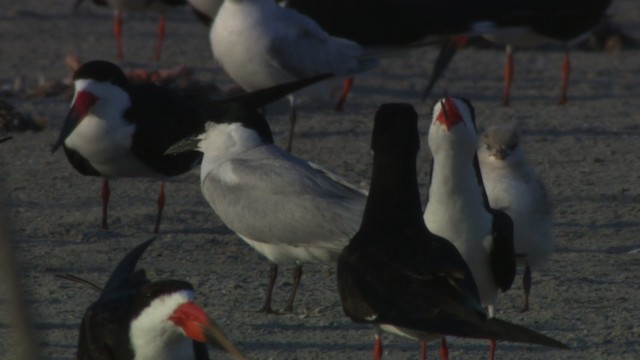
273, 274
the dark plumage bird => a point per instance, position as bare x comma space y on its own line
118, 129
397, 275
135, 318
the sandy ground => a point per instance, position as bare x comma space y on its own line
586, 151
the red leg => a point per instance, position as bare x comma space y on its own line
423, 349
346, 88
566, 70
492, 349
444, 349
377, 348
162, 26
508, 75
106, 193
156, 229
117, 32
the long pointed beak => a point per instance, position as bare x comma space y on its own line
449, 114
186, 144
79, 109
198, 326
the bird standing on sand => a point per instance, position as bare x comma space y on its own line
160, 6
135, 318
513, 187
457, 207
397, 275
286, 208
261, 44
534, 23
118, 129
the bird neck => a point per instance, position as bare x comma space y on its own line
393, 195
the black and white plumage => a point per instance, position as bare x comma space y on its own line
457, 207
286, 208
118, 129
260, 44
514, 187
135, 318
396, 274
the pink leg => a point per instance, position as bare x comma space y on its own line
160, 207
377, 348
346, 88
444, 349
162, 26
566, 70
117, 32
106, 193
423, 350
492, 349
508, 75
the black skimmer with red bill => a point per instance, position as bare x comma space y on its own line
286, 208
136, 318
397, 275
534, 23
457, 206
120, 6
514, 187
117, 129
261, 44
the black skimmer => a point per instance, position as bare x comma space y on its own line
457, 207
397, 275
394, 24
286, 208
513, 187
120, 6
135, 318
261, 44
117, 129
533, 23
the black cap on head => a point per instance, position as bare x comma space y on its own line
249, 118
396, 127
104, 71
153, 290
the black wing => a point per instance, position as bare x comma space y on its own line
502, 255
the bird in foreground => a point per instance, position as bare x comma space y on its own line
514, 187
135, 318
118, 129
261, 44
457, 206
397, 275
120, 6
534, 23
286, 208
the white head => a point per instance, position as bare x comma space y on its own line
453, 128
166, 321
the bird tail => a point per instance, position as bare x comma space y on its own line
505, 331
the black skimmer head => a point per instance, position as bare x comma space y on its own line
100, 86
453, 121
135, 318
396, 274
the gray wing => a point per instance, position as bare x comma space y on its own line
272, 197
302, 48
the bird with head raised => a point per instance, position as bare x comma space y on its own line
397, 275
